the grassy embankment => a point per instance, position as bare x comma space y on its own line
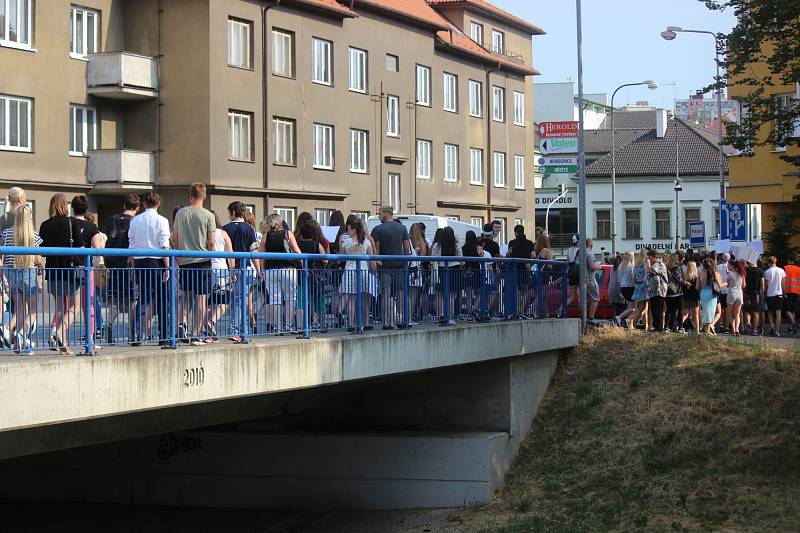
659, 433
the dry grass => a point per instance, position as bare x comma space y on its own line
659, 433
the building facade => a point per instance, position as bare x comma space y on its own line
298, 105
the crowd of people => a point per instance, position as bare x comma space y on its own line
210, 288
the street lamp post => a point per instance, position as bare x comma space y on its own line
652, 86
678, 189
669, 34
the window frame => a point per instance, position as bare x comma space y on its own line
497, 158
638, 232
473, 166
292, 138
519, 172
475, 104
392, 188
288, 37
363, 150
479, 27
328, 211
686, 219
498, 111
326, 49
519, 108
449, 92
502, 39
319, 128
352, 53
5, 30
283, 211
426, 86
605, 233
85, 12
478, 218
5, 123
248, 25
428, 160
74, 109
656, 221
233, 114
450, 152
392, 118
396, 59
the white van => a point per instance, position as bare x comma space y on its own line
432, 223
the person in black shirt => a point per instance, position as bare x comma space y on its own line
243, 239
119, 289
753, 297
521, 248
492, 274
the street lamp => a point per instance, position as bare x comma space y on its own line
669, 34
678, 189
652, 86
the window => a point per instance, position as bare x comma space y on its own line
363, 215
423, 85
323, 146
358, 70
359, 150
690, 214
250, 208
394, 190
785, 102
475, 98
83, 30
82, 129
499, 169
288, 215
716, 222
15, 123
283, 53
501, 237
633, 226
519, 222
476, 166
240, 51
452, 217
476, 221
498, 104
16, 23
323, 215
602, 219
498, 42
450, 92
663, 223
519, 108
240, 135
283, 141
519, 172
450, 162
321, 67
392, 116
392, 63
476, 32
423, 159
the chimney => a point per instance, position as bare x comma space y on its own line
661, 123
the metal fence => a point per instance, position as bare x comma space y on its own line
169, 297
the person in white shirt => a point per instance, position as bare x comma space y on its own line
150, 231
722, 302
775, 278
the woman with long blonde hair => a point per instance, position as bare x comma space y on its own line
639, 294
626, 285
691, 295
22, 273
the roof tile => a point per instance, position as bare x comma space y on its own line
494, 10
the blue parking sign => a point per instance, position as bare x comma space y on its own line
733, 221
697, 233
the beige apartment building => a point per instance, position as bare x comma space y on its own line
289, 106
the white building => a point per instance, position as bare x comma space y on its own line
556, 102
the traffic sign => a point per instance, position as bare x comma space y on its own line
558, 130
566, 145
559, 169
733, 218
548, 161
697, 233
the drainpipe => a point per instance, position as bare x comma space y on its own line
413, 150
381, 134
264, 120
489, 154
157, 177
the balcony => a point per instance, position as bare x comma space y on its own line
122, 75
502, 52
121, 169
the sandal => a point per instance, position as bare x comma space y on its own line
63, 349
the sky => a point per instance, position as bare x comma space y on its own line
622, 44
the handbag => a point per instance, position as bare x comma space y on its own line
715, 289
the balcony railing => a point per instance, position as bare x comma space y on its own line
505, 53
122, 75
121, 167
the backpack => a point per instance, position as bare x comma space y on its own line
118, 238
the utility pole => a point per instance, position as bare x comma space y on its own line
581, 174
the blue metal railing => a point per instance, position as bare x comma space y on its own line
190, 301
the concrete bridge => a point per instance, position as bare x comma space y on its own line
432, 416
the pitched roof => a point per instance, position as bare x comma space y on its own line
645, 119
599, 141
418, 10
329, 5
649, 155
456, 39
494, 11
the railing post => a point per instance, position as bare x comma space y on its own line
541, 295
243, 295
564, 289
484, 308
446, 283
306, 303
88, 304
406, 299
507, 294
359, 298
173, 303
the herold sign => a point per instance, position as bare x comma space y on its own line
557, 130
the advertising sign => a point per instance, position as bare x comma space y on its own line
733, 221
565, 145
697, 233
557, 130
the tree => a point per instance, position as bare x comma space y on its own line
767, 33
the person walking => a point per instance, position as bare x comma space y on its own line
592, 288
792, 271
281, 274
754, 288
222, 274
21, 278
691, 295
737, 272
656, 281
356, 242
775, 280
15, 198
676, 312
709, 285
390, 238
242, 237
639, 294
150, 231
119, 289
626, 286
520, 247
194, 231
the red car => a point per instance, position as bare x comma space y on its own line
605, 309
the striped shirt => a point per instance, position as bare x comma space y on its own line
8, 240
